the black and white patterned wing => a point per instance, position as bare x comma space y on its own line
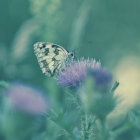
51, 57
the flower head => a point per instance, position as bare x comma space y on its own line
77, 72
27, 99
102, 78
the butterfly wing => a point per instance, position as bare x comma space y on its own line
51, 57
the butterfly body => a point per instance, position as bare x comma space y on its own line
52, 57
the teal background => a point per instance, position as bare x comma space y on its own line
107, 30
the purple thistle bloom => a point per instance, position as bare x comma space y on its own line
76, 73
27, 99
102, 78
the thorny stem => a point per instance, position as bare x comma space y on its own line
87, 127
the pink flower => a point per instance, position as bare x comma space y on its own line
76, 73
27, 99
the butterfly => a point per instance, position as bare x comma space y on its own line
51, 57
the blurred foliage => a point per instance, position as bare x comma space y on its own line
105, 30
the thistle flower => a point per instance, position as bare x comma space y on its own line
76, 73
95, 94
102, 78
27, 99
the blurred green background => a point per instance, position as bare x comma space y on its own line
106, 30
